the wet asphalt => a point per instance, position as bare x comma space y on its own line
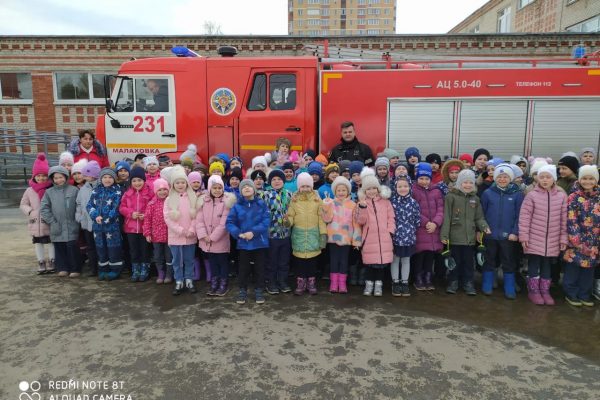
428, 346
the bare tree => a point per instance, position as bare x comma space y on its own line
212, 28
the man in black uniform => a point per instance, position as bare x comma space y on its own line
350, 148
160, 94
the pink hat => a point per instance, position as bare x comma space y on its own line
194, 176
294, 156
160, 183
215, 179
40, 165
304, 179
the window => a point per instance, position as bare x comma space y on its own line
373, 32
283, 91
590, 25
504, 21
569, 2
325, 2
258, 96
79, 86
361, 21
373, 22
325, 11
124, 102
15, 87
314, 2
300, 12
312, 11
362, 2
343, 11
152, 95
361, 11
374, 1
314, 22
475, 29
387, 11
523, 3
386, 21
299, 23
374, 11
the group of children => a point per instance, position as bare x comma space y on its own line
410, 221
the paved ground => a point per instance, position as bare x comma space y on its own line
336, 347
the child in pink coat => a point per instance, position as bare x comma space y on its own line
133, 209
376, 216
543, 232
156, 232
213, 237
30, 205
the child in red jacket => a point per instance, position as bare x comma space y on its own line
155, 231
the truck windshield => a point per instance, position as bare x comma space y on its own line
152, 95
124, 102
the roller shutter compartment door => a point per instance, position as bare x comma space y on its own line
499, 126
426, 125
564, 125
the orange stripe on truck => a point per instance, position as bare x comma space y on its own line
136, 145
264, 147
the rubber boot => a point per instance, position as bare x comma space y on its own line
545, 291
333, 283
428, 280
144, 272
169, 274
160, 279
208, 271
509, 286
533, 286
342, 283
223, 287
353, 275
312, 285
419, 283
487, 282
135, 272
214, 286
196, 275
300, 286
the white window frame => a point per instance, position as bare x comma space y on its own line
578, 26
91, 100
373, 32
523, 3
361, 21
16, 101
504, 20
362, 11
373, 21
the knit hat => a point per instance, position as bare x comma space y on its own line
340, 180
137, 172
382, 162
587, 150
287, 165
517, 170
322, 159
466, 157
259, 160
195, 176
304, 179
236, 158
366, 171
570, 162
315, 168
412, 152
187, 162
345, 165
479, 152
311, 153
150, 160
276, 173
390, 153
269, 157
198, 166
495, 161
225, 158
294, 156
333, 167
160, 183
78, 166
164, 159
216, 166
177, 173
589, 170
58, 170
536, 165
356, 167
550, 169
247, 182
165, 174
424, 169
517, 159
463, 176
434, 158
92, 169
504, 169
401, 164
237, 173
123, 165
190, 152
40, 165
451, 165
215, 179
65, 157
569, 154
109, 172
258, 174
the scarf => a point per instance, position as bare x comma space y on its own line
40, 188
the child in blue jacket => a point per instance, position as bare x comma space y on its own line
248, 222
501, 205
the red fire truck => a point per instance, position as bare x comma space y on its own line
241, 105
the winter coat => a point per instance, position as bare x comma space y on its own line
304, 217
83, 197
278, 202
134, 201
407, 215
31, 205
431, 204
342, 227
150, 179
58, 210
583, 228
249, 216
104, 202
567, 183
378, 224
97, 154
352, 151
501, 209
291, 186
324, 189
180, 223
154, 221
543, 221
463, 215
211, 221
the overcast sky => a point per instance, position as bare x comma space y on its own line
187, 17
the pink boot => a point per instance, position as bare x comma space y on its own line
342, 283
533, 286
333, 282
545, 291
300, 286
312, 285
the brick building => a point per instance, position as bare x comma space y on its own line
504, 16
55, 83
343, 17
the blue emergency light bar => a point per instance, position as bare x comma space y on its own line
182, 51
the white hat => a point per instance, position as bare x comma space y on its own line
259, 160
66, 157
150, 160
504, 169
536, 165
341, 180
79, 166
589, 170
549, 169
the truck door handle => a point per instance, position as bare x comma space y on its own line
293, 128
171, 135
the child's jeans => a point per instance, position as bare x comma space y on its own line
578, 282
162, 257
183, 261
499, 250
